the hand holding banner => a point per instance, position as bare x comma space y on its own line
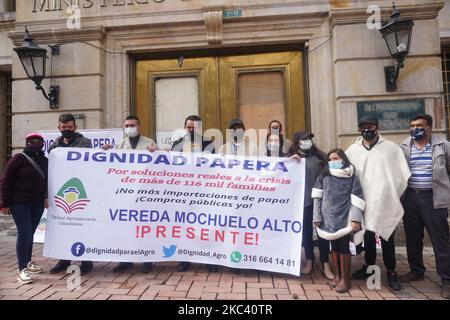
241, 212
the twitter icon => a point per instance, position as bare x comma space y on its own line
170, 251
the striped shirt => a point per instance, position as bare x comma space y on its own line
421, 166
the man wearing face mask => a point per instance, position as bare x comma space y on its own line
315, 160
134, 141
70, 138
427, 200
238, 145
193, 141
383, 171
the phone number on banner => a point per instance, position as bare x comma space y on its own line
268, 260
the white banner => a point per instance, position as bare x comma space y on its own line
98, 137
125, 205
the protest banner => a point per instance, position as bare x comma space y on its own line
98, 137
128, 205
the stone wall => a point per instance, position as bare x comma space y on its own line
345, 58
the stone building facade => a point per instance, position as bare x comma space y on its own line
312, 64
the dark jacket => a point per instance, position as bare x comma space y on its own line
77, 142
313, 168
22, 183
440, 169
178, 145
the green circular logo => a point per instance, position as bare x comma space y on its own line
236, 256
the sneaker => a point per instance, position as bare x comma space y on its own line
34, 268
62, 265
86, 267
122, 266
411, 277
361, 273
393, 280
24, 276
147, 267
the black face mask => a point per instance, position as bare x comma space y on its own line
368, 135
238, 135
68, 134
33, 148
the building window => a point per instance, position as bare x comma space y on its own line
446, 78
9, 5
5, 118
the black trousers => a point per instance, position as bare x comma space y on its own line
308, 243
342, 245
420, 214
370, 250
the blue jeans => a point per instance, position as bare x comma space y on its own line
27, 217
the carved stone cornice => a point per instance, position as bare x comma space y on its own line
214, 25
359, 14
58, 36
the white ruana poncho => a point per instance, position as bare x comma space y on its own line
383, 172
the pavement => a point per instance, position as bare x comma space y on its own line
164, 282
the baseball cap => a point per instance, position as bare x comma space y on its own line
302, 135
235, 122
368, 120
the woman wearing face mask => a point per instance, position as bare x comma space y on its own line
276, 128
303, 147
274, 146
338, 213
24, 196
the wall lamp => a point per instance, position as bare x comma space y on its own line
397, 34
33, 59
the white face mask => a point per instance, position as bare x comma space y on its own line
273, 147
306, 144
131, 131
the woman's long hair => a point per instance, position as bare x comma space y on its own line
279, 133
342, 155
280, 136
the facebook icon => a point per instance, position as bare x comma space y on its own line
78, 249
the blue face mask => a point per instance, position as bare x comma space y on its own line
337, 164
418, 133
